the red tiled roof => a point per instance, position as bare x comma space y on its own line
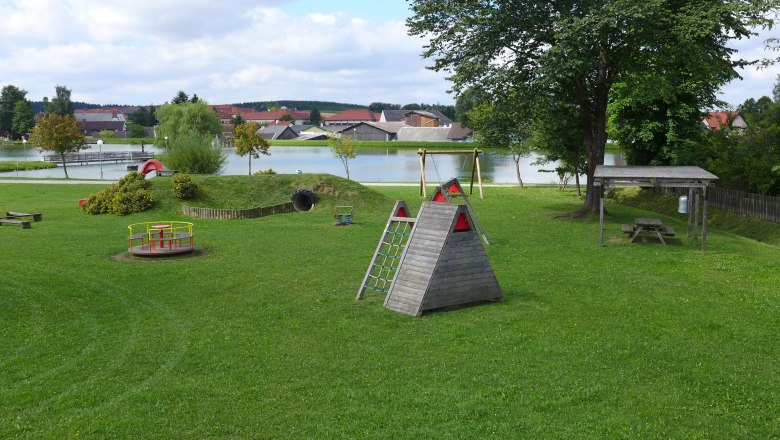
354, 115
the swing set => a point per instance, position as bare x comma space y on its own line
474, 167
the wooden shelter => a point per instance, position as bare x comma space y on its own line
695, 179
443, 263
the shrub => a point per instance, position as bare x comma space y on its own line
263, 172
128, 195
194, 154
107, 134
183, 186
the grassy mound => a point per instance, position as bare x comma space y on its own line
756, 229
240, 192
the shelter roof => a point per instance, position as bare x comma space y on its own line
652, 172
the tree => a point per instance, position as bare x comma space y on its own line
315, 117
8, 99
286, 118
144, 116
180, 98
343, 148
249, 142
575, 52
61, 103
135, 131
556, 133
23, 120
237, 120
59, 134
179, 119
377, 107
467, 100
502, 125
194, 98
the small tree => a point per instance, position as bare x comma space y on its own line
315, 117
61, 103
180, 98
249, 142
342, 147
24, 118
60, 134
135, 131
237, 120
106, 134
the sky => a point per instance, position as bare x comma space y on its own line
143, 52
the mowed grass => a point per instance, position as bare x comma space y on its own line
261, 336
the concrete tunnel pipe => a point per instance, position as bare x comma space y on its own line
303, 200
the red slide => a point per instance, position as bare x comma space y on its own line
151, 165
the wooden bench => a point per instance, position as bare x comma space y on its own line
37, 216
11, 221
166, 173
627, 229
667, 231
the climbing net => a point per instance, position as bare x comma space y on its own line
388, 256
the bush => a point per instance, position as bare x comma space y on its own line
194, 154
183, 186
107, 134
128, 195
136, 131
264, 172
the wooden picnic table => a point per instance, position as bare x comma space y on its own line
651, 226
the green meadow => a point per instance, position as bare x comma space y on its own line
259, 334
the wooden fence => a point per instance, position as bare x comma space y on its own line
740, 202
232, 214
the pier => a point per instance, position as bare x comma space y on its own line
92, 157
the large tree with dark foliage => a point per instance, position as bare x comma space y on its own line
8, 99
576, 51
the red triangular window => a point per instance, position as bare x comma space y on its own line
439, 197
462, 224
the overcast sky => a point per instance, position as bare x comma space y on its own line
143, 51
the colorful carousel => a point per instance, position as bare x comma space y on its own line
162, 238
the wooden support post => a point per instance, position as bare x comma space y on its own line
690, 211
473, 170
479, 179
704, 220
422, 172
601, 214
696, 218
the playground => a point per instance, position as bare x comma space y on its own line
263, 337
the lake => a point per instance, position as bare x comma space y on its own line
370, 165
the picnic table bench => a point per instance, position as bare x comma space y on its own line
647, 226
36, 216
25, 224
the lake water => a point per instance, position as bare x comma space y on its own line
370, 165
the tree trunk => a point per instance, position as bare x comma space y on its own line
250, 164
64, 165
516, 158
595, 132
579, 188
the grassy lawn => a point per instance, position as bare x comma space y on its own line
7, 165
260, 336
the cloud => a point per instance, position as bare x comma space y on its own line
144, 52
245, 50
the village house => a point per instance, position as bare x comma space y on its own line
714, 121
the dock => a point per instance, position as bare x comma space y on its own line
97, 157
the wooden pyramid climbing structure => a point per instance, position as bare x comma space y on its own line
443, 263
444, 194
